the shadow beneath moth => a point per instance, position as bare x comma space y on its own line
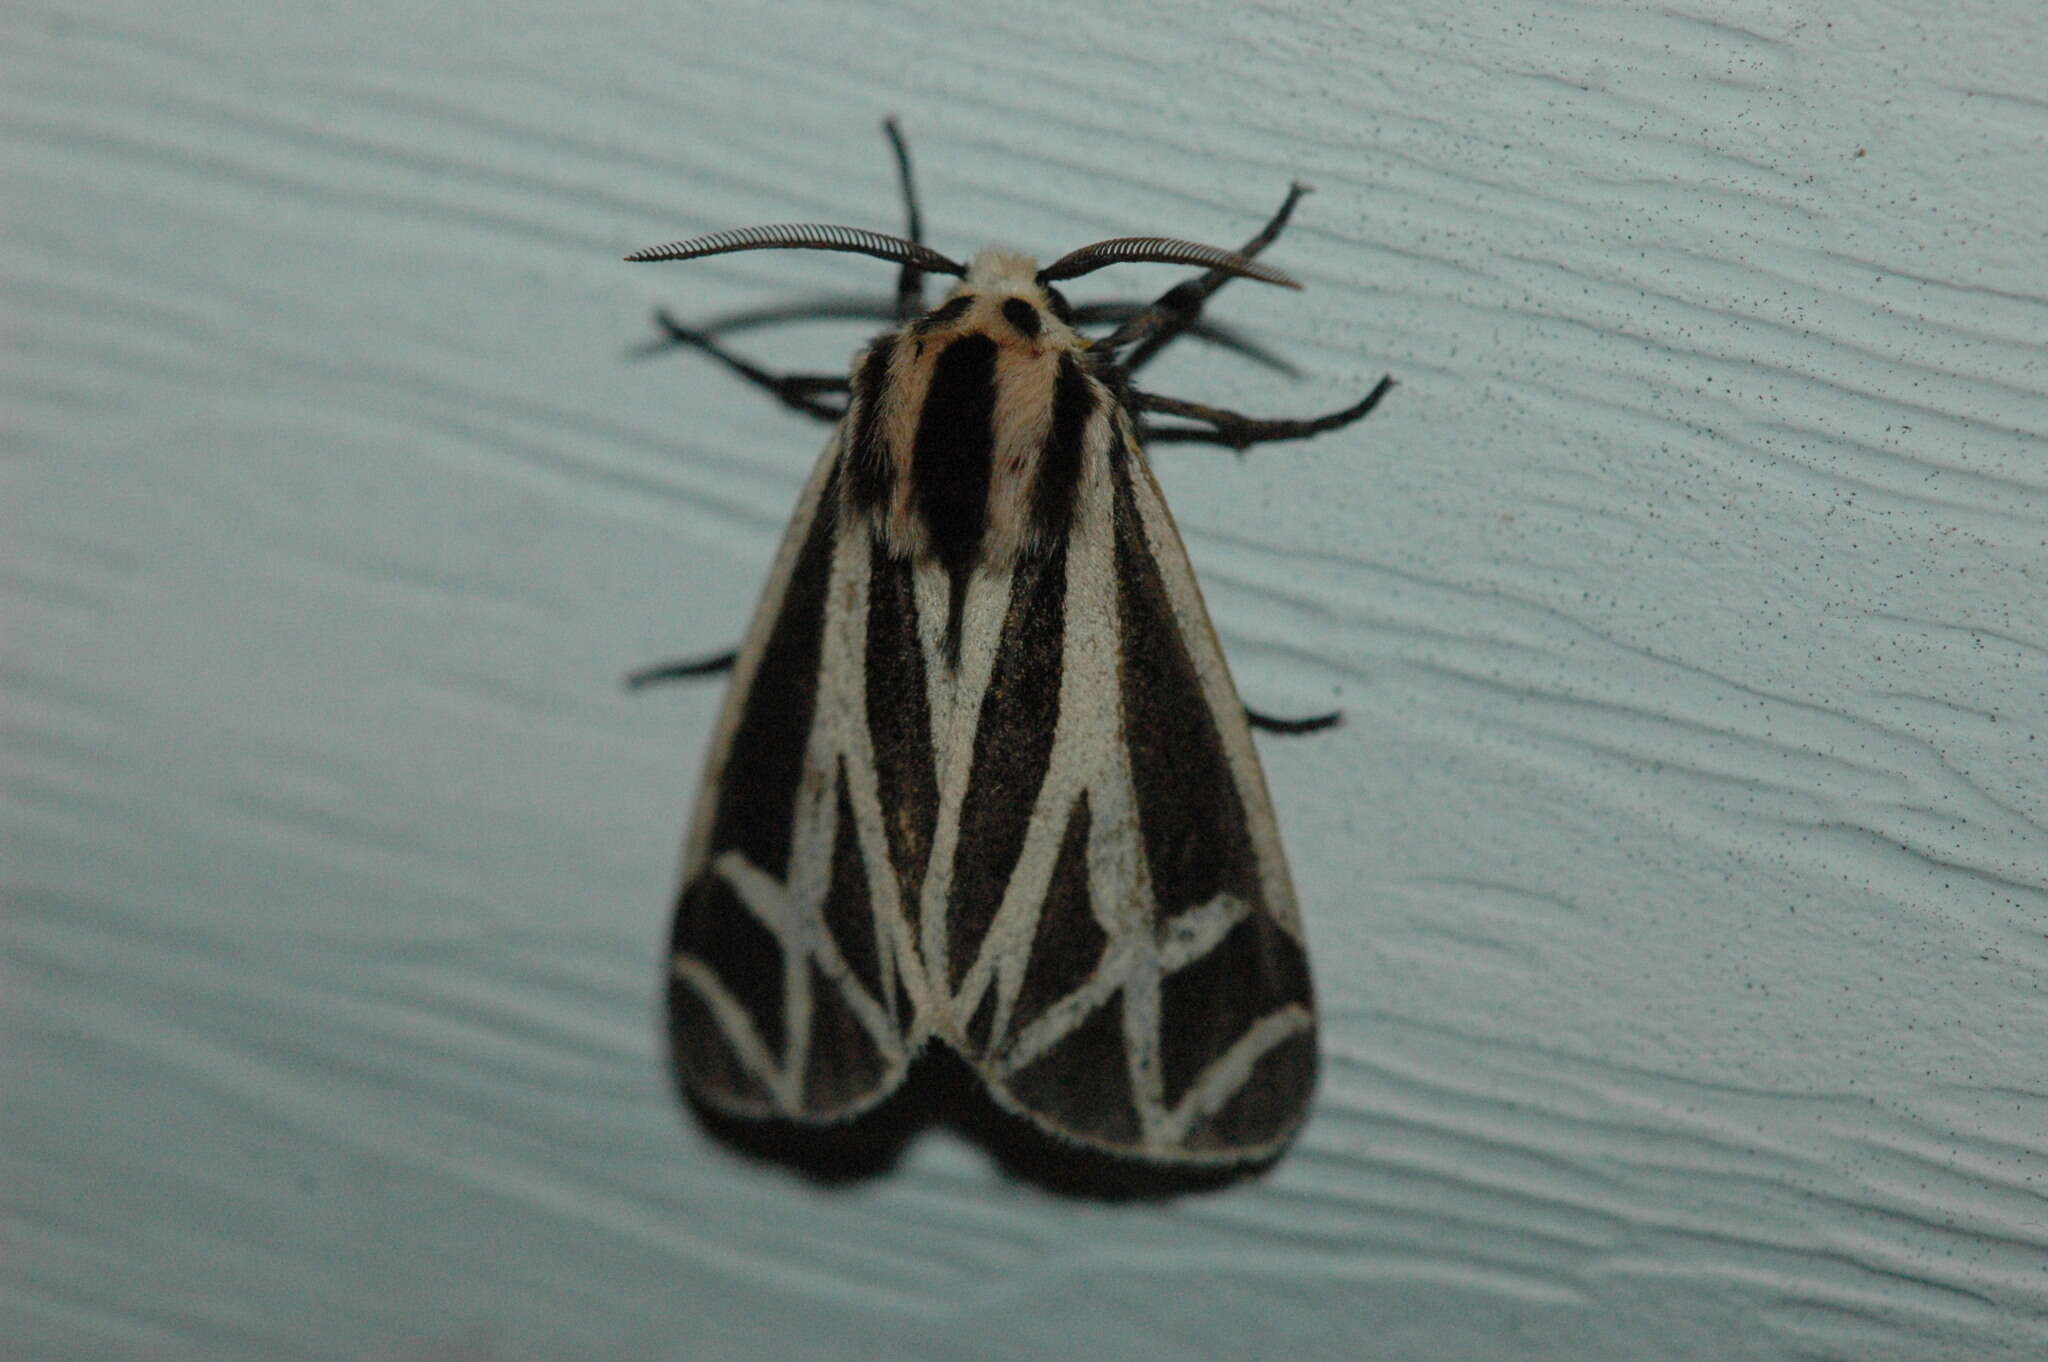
983, 839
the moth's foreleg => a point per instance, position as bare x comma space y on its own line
909, 283
1239, 431
1180, 307
799, 392
1116, 312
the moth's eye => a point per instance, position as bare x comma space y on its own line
1060, 307
1022, 316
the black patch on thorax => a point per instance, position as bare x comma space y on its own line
952, 461
869, 469
1022, 316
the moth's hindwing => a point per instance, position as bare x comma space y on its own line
1125, 963
786, 998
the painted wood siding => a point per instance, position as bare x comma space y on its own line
1677, 885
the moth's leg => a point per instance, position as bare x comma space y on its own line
1177, 309
797, 391
1223, 337
1240, 432
910, 283
683, 670
823, 309
1313, 724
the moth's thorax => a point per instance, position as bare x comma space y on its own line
967, 426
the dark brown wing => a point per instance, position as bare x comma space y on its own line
785, 998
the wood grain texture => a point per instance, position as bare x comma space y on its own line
1678, 886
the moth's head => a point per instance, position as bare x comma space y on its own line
1001, 297
1005, 294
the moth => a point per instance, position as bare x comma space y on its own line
982, 780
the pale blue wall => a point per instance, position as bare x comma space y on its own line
1676, 886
